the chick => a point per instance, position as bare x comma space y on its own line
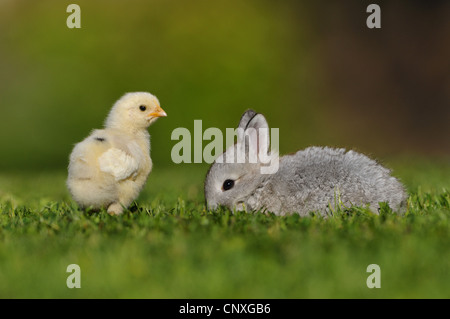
110, 167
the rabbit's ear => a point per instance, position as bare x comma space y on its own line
245, 119
256, 136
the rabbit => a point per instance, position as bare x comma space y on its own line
316, 179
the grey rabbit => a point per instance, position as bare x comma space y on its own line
312, 180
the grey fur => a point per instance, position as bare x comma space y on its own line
316, 179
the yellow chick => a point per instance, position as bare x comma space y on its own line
110, 167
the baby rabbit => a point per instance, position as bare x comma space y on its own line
312, 180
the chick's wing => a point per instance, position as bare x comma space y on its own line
118, 163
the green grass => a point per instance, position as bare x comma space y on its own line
170, 246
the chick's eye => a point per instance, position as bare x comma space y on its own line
142, 108
228, 184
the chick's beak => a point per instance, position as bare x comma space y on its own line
159, 112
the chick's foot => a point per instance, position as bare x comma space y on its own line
115, 209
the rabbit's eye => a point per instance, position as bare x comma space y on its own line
228, 184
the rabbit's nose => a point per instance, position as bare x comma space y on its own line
211, 205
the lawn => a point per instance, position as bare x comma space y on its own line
169, 246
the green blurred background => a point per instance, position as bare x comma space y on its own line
313, 68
